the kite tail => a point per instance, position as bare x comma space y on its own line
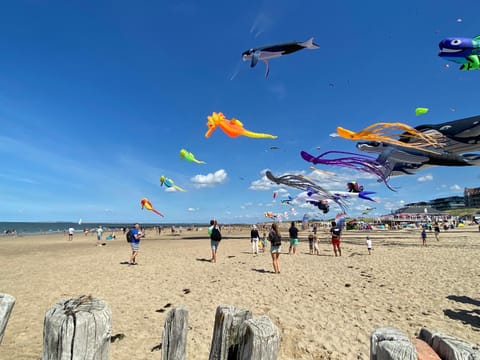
252, 134
364, 195
199, 161
157, 212
178, 188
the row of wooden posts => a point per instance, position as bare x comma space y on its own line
80, 329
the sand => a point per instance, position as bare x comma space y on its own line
325, 307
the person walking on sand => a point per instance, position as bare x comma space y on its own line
424, 237
99, 235
275, 239
254, 238
316, 245
136, 235
436, 230
70, 233
336, 232
215, 238
293, 234
369, 245
311, 241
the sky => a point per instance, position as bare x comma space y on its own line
98, 98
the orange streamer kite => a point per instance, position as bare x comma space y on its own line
384, 132
232, 128
148, 205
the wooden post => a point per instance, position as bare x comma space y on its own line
77, 329
6, 306
260, 340
389, 343
175, 330
226, 333
449, 348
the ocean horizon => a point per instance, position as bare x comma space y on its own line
50, 227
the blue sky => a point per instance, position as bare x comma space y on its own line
98, 98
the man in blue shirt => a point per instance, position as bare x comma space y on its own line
135, 244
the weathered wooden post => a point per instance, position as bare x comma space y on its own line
260, 340
226, 332
77, 329
175, 330
389, 343
448, 347
6, 306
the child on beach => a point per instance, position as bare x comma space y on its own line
369, 245
316, 245
264, 242
424, 237
310, 242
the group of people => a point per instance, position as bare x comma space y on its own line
275, 239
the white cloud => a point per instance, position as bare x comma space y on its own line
455, 188
262, 184
210, 180
427, 177
192, 209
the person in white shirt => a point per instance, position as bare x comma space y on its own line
369, 245
71, 231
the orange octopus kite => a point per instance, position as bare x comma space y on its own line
232, 128
148, 205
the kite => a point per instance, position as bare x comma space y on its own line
169, 183
148, 205
232, 128
265, 53
367, 210
464, 51
461, 136
400, 160
305, 184
421, 111
274, 195
323, 172
287, 201
354, 187
354, 161
380, 132
314, 199
365, 195
270, 215
184, 154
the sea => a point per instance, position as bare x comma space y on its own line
33, 228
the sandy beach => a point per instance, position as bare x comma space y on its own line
324, 306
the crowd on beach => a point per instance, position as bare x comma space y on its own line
263, 237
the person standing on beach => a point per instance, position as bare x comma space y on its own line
369, 245
254, 238
336, 232
276, 246
436, 229
311, 240
136, 235
424, 237
316, 245
70, 233
293, 233
215, 238
99, 235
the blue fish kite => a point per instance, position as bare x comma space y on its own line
265, 53
464, 51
